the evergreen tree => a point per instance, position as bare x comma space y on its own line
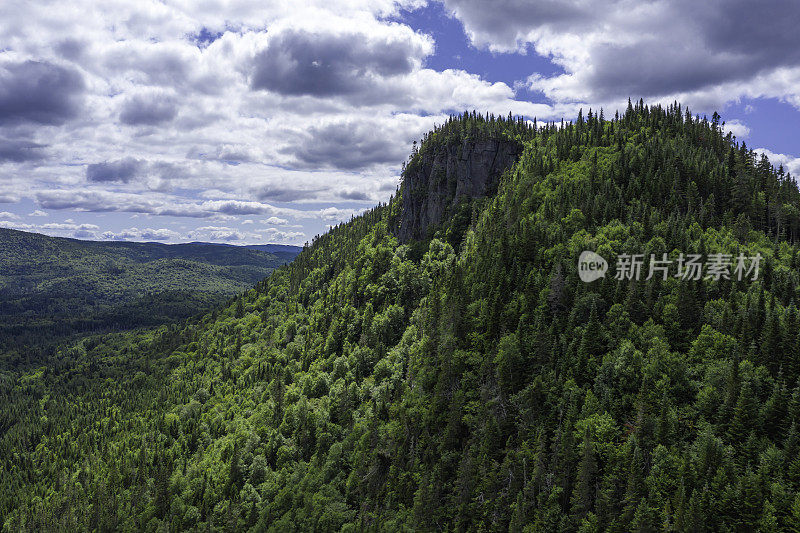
583, 496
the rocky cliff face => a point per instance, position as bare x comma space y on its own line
440, 177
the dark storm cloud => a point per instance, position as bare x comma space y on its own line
668, 46
123, 170
766, 30
347, 146
148, 110
301, 63
20, 151
353, 195
286, 194
503, 21
724, 45
644, 69
39, 92
238, 208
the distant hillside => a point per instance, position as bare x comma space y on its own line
51, 286
281, 250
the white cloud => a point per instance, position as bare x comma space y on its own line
737, 128
146, 234
791, 164
230, 110
334, 214
68, 225
182, 113
68, 228
236, 236
274, 235
704, 54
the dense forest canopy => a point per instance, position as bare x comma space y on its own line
52, 288
466, 381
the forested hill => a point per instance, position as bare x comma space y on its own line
52, 286
282, 251
467, 381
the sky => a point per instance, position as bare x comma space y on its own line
251, 122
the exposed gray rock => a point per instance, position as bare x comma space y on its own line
440, 177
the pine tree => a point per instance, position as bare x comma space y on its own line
590, 348
518, 517
750, 502
744, 416
583, 495
768, 520
234, 471
793, 519
775, 411
634, 492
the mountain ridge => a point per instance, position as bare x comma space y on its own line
466, 381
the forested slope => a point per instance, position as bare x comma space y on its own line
52, 287
467, 382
